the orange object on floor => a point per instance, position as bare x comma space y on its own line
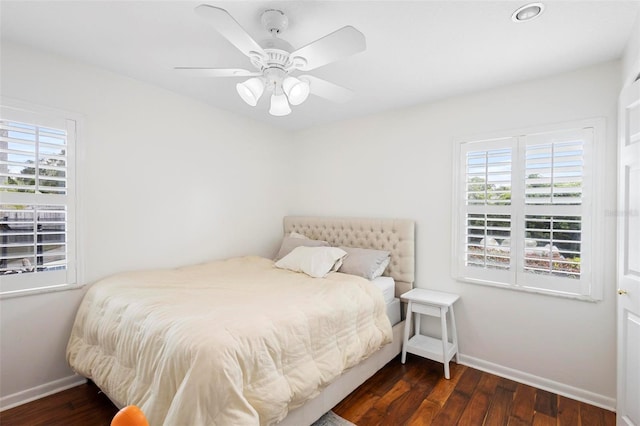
130, 415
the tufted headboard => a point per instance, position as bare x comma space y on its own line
394, 235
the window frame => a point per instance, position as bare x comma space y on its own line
16, 285
589, 286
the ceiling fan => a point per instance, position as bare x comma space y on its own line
275, 60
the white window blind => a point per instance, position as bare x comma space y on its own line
525, 208
37, 206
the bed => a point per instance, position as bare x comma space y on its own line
183, 343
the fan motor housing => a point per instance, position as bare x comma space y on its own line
276, 58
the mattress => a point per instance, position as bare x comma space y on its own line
387, 286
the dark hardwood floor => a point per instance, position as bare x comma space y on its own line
417, 394
412, 394
82, 405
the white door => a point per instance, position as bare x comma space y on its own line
628, 410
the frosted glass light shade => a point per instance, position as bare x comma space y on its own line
251, 90
279, 105
297, 90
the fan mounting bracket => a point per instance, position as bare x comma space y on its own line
274, 21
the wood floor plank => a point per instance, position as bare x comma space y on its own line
514, 421
488, 383
523, 403
413, 394
540, 419
418, 370
356, 407
568, 411
378, 414
474, 383
400, 388
609, 418
372, 417
546, 403
476, 410
498, 413
443, 390
469, 381
452, 410
402, 408
508, 384
590, 415
424, 415
386, 378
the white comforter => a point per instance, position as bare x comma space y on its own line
233, 342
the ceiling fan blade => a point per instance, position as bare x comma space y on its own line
230, 29
327, 90
217, 72
339, 44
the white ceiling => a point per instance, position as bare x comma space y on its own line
417, 51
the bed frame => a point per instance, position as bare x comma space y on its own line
394, 235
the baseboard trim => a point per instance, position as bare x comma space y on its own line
539, 382
40, 391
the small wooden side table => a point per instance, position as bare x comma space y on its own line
434, 304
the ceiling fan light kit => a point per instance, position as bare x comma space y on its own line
275, 60
251, 90
296, 89
279, 105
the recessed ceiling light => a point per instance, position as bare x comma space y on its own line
527, 12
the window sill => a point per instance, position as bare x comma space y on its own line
523, 289
41, 290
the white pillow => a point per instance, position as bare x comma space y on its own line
378, 272
316, 262
289, 243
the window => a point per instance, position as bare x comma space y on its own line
525, 206
37, 200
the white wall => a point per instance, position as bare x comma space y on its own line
631, 58
163, 181
399, 164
